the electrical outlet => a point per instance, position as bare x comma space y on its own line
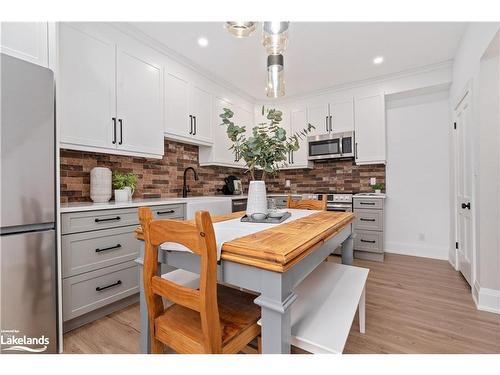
287, 183
373, 181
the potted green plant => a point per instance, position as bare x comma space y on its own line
266, 148
124, 185
378, 187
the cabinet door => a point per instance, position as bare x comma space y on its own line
369, 115
298, 122
342, 115
86, 87
201, 109
139, 103
317, 115
177, 121
26, 40
222, 143
242, 117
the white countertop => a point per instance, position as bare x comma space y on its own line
91, 206
370, 196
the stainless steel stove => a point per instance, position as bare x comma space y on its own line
338, 201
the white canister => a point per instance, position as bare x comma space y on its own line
130, 192
122, 195
257, 200
100, 184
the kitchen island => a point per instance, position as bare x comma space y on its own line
270, 262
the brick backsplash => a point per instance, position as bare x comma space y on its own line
163, 177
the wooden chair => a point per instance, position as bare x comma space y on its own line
211, 319
307, 204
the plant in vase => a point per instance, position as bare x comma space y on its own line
124, 185
378, 188
266, 148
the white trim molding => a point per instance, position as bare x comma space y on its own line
486, 299
417, 250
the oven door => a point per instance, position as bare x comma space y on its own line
339, 207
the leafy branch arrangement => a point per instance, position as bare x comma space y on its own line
268, 145
378, 186
122, 180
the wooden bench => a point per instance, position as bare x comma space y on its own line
328, 298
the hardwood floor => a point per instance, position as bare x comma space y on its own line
413, 305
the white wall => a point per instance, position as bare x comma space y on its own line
417, 219
466, 69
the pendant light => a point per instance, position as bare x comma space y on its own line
275, 37
240, 29
275, 76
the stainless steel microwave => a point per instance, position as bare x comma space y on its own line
331, 146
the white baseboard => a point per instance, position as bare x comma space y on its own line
486, 299
417, 250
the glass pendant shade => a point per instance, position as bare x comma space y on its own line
275, 37
240, 29
275, 77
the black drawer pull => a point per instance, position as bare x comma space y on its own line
165, 212
363, 219
367, 203
367, 241
108, 248
101, 288
108, 219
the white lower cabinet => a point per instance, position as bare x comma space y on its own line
26, 41
370, 135
110, 93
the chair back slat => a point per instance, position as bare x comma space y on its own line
307, 204
200, 239
176, 293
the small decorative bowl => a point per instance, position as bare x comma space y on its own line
275, 214
258, 216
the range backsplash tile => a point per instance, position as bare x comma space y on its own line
163, 177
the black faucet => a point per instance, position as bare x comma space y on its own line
185, 188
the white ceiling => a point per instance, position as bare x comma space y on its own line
319, 54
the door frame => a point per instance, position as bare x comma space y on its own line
467, 90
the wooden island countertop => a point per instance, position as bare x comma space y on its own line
281, 247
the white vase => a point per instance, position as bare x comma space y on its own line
121, 195
100, 184
257, 200
378, 191
130, 192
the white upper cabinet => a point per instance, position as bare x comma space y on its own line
188, 108
318, 115
86, 89
26, 40
369, 114
298, 122
109, 96
342, 115
139, 103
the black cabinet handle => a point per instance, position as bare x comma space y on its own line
326, 123
464, 206
367, 203
100, 288
356, 150
292, 157
121, 131
108, 219
159, 213
108, 248
194, 133
331, 126
190, 124
114, 130
367, 241
363, 219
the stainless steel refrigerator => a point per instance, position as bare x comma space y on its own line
28, 320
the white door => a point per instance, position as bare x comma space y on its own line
242, 117
201, 109
139, 104
342, 115
464, 175
86, 87
177, 120
298, 122
26, 40
369, 117
318, 116
221, 141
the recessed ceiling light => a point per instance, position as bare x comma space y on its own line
378, 60
202, 42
